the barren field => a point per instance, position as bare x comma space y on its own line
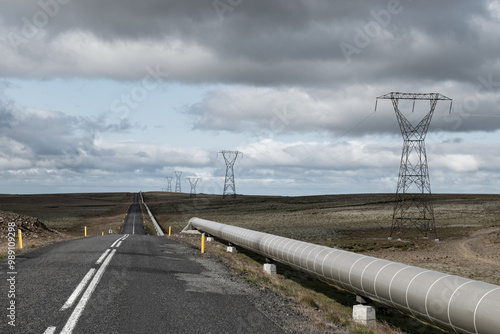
468, 226
64, 214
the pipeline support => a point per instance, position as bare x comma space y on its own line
448, 301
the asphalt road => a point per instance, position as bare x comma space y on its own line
133, 222
129, 283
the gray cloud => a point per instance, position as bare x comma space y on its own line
39, 136
48, 140
260, 42
339, 112
449, 47
6, 117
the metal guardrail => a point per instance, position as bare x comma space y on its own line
448, 301
155, 223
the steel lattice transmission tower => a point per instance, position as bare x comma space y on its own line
229, 185
178, 182
193, 181
169, 183
413, 207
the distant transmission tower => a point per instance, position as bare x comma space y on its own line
193, 181
230, 159
169, 183
178, 182
413, 207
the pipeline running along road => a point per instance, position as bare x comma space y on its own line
127, 283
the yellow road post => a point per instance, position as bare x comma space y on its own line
85, 230
169, 230
203, 243
20, 238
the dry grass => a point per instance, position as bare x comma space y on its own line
150, 228
67, 214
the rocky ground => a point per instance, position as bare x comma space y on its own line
34, 232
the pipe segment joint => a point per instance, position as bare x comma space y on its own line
448, 301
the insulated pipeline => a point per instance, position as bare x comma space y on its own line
155, 223
448, 301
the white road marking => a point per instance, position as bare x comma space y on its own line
120, 239
50, 330
133, 226
77, 312
114, 243
103, 256
78, 290
118, 244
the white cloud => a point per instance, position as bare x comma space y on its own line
280, 110
457, 162
349, 155
340, 112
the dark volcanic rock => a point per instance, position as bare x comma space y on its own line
28, 225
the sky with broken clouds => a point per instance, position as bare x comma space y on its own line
115, 95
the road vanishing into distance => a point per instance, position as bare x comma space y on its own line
134, 223
127, 283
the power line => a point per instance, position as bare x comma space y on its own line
178, 181
169, 183
193, 181
383, 148
413, 206
229, 184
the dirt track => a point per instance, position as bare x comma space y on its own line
475, 248
476, 256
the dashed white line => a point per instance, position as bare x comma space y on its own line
99, 261
77, 312
78, 289
133, 225
50, 330
68, 328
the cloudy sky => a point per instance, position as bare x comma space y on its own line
115, 95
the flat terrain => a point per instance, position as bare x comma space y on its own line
468, 226
69, 213
64, 216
